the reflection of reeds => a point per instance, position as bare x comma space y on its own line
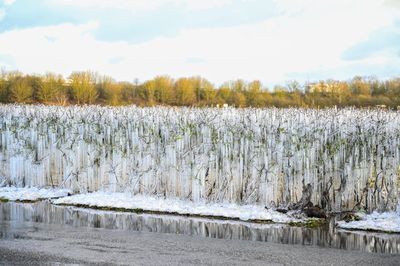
350, 157
46, 213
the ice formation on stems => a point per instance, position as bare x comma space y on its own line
350, 157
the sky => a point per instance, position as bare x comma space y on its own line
274, 41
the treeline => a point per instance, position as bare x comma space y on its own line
91, 88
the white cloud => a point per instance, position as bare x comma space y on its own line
3, 12
393, 3
202, 4
8, 2
296, 43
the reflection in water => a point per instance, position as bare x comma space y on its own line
326, 236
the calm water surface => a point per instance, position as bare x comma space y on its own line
13, 216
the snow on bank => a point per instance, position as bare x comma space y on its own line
175, 206
31, 194
385, 222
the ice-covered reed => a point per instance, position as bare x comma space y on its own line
350, 157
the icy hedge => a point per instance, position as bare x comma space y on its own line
350, 157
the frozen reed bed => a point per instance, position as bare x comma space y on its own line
348, 158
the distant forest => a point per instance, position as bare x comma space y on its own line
91, 88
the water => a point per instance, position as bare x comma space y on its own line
17, 215
350, 157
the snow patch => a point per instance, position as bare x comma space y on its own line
31, 194
175, 206
385, 222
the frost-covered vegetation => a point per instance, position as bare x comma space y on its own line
348, 159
